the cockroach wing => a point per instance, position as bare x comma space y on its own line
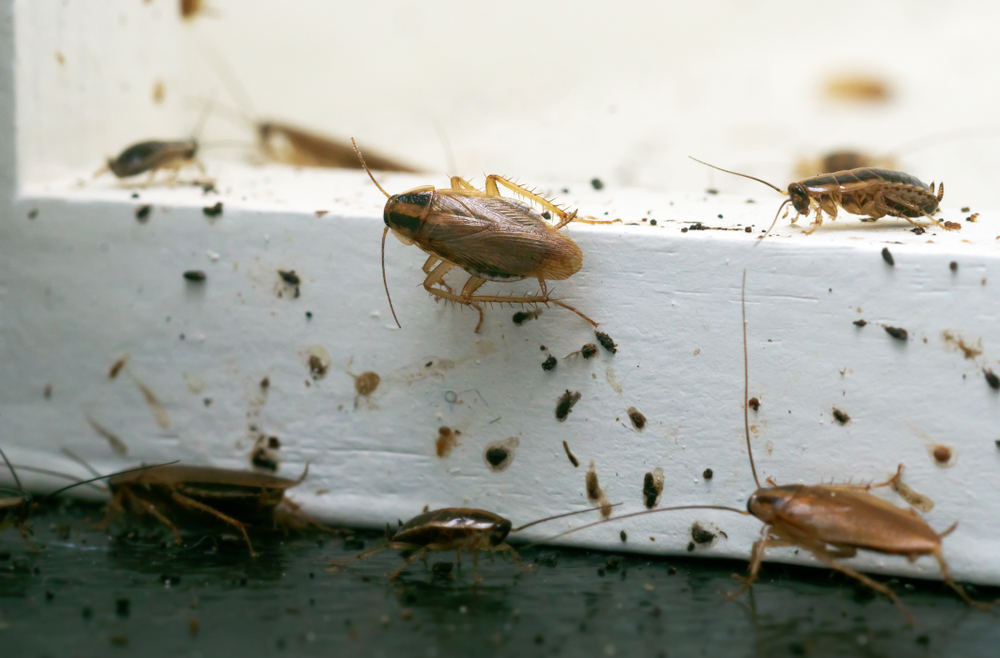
851, 518
497, 238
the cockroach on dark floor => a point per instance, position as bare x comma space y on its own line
457, 529
829, 521
491, 237
864, 191
15, 510
238, 498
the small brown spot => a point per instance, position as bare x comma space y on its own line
500, 455
273, 442
700, 535
33, 213
319, 361
594, 493
60, 58
707, 474
887, 256
942, 454
606, 342
47, 391
858, 89
652, 487
289, 277
572, 458
213, 211
564, 405
754, 404
195, 276
366, 383
841, 416
265, 383
191, 8
992, 379
117, 366
159, 92
446, 441
860, 323
966, 209
953, 266
896, 332
638, 420
320, 213
589, 350
953, 226
550, 363
967, 350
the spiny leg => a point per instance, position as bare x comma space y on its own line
413, 556
159, 516
756, 557
946, 575
429, 266
361, 556
866, 487
909, 206
459, 183
492, 190
190, 502
507, 548
826, 559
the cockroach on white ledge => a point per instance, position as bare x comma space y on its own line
865, 191
829, 521
491, 237
455, 529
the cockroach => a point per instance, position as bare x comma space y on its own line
842, 160
239, 498
829, 521
864, 191
457, 529
15, 510
491, 237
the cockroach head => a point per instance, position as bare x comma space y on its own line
764, 503
799, 198
405, 213
499, 532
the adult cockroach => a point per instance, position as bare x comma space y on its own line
491, 237
864, 191
15, 510
829, 521
239, 498
457, 529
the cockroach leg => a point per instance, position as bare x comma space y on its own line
821, 554
946, 576
459, 183
334, 564
507, 548
183, 500
492, 190
767, 537
420, 552
151, 508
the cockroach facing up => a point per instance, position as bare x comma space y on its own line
15, 510
830, 521
491, 237
864, 191
457, 529
238, 498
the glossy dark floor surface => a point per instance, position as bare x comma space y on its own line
137, 594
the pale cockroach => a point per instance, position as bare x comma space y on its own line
491, 237
865, 191
454, 529
829, 521
238, 498
15, 510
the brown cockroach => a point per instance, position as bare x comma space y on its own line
239, 498
15, 510
491, 237
865, 191
842, 160
457, 529
829, 521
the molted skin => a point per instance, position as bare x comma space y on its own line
145, 156
844, 518
454, 528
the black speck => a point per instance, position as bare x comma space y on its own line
707, 474
123, 607
992, 379
652, 222
87, 612
309, 315
625, 536
860, 323
923, 640
49, 595
600, 571
273, 442
896, 332
671, 571
197, 276
684, 230
289, 277
565, 404
887, 257
953, 265
597, 183
550, 363
496, 456
749, 229
650, 492
442, 568
523, 316
208, 402
690, 547
547, 215
841, 416
720, 215
965, 209
700, 535
182, 336
213, 211
589, 350
606, 342
142, 213
565, 190
261, 459
33, 213
918, 230
135, 195
711, 190
637, 418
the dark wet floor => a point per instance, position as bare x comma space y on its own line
136, 594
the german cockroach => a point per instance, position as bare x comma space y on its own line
864, 191
454, 529
15, 510
829, 521
491, 237
238, 498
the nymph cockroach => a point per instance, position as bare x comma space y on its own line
491, 237
829, 521
865, 191
239, 498
457, 529
15, 510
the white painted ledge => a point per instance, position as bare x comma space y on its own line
83, 283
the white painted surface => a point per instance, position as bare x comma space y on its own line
84, 283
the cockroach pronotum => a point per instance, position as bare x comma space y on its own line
239, 498
491, 237
865, 191
829, 521
455, 529
15, 510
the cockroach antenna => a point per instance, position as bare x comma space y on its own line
111, 475
773, 187
385, 231
17, 480
565, 514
